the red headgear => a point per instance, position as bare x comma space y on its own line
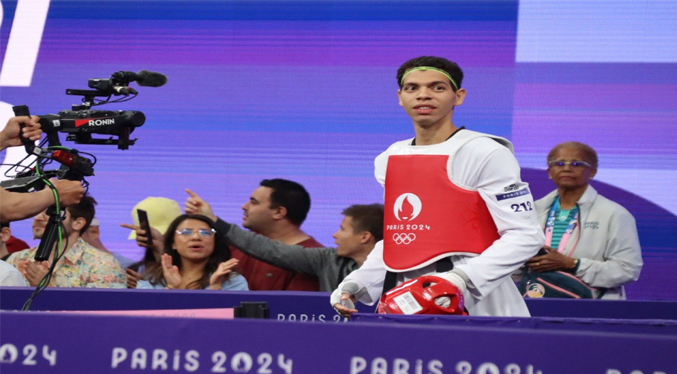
417, 296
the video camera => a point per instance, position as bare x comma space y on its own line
81, 122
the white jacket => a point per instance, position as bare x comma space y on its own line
606, 244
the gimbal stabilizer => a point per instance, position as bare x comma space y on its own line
79, 124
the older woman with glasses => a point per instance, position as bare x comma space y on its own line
586, 235
194, 258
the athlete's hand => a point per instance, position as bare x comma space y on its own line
343, 298
454, 279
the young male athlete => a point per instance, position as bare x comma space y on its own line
453, 200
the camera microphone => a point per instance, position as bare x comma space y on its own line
143, 78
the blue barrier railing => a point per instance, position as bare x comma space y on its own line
41, 342
297, 306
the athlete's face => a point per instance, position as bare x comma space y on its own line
347, 241
428, 97
257, 212
569, 176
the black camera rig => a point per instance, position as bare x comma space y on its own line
79, 124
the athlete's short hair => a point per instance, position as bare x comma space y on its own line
441, 63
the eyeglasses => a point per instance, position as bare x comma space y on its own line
205, 233
573, 164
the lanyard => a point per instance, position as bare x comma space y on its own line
550, 224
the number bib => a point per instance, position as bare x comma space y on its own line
427, 217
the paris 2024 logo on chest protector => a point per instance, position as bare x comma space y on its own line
406, 208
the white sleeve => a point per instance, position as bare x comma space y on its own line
372, 272
380, 166
370, 275
10, 276
496, 176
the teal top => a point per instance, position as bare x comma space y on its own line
562, 219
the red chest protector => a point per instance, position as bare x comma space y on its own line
427, 217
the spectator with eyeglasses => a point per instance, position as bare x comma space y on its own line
194, 258
586, 234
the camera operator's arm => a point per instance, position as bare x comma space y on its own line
9, 136
16, 206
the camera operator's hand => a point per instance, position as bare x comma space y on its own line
70, 192
142, 237
9, 136
196, 205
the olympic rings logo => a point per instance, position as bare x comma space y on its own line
404, 238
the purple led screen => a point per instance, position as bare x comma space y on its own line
306, 91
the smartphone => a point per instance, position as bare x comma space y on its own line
142, 215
